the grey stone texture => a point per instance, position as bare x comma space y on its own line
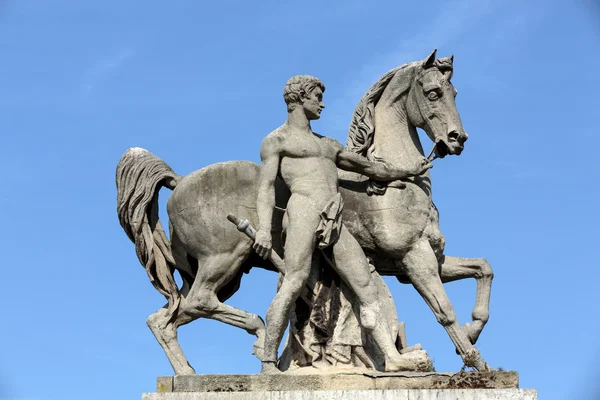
432, 394
339, 381
308, 165
334, 218
366, 386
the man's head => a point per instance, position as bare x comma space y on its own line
305, 91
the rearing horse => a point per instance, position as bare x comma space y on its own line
396, 224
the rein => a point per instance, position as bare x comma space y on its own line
432, 156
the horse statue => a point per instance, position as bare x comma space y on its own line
396, 223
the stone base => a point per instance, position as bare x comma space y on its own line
429, 394
351, 386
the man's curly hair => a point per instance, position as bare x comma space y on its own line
298, 85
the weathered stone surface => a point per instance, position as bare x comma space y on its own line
367, 207
329, 331
434, 394
339, 381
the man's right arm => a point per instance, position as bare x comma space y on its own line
270, 155
380, 171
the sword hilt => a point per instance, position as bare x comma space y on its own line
243, 225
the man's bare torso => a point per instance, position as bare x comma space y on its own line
308, 164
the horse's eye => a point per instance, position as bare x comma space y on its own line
433, 95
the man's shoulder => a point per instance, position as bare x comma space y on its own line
273, 142
331, 141
275, 136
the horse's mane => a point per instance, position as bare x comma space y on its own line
362, 127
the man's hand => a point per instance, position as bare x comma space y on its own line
419, 167
262, 244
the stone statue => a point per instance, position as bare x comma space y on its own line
307, 163
394, 221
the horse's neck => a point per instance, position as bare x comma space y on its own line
396, 141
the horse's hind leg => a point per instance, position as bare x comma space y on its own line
165, 332
163, 326
215, 272
456, 268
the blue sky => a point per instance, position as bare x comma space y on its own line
201, 82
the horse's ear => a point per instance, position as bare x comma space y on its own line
452, 59
430, 59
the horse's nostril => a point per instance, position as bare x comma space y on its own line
453, 136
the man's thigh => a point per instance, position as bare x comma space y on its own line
300, 237
350, 261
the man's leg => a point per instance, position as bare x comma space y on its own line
299, 248
353, 267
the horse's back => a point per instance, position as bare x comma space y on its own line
200, 203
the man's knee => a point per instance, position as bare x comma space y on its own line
360, 280
368, 316
363, 280
294, 282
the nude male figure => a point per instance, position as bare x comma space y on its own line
308, 164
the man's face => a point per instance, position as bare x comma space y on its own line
313, 103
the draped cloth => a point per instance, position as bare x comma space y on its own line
328, 231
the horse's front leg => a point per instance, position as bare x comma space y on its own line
421, 267
456, 268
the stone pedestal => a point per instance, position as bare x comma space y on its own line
338, 386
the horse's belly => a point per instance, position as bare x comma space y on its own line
200, 203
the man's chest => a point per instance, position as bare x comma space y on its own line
308, 147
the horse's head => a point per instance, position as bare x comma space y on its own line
430, 106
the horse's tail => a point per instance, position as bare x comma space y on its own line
140, 175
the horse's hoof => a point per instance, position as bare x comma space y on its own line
472, 331
187, 370
482, 366
416, 360
258, 348
473, 359
411, 348
270, 368
259, 352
